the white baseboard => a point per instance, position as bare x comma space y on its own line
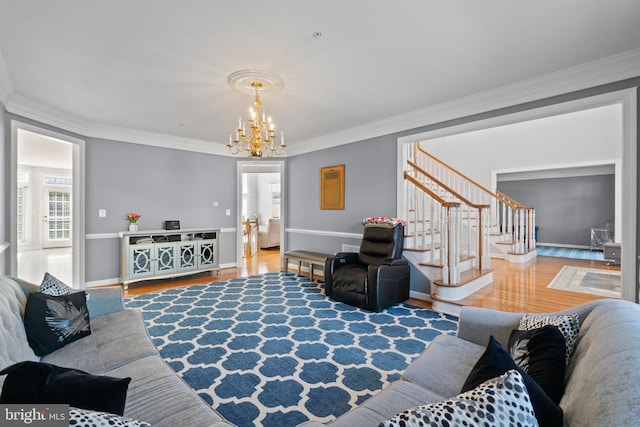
105, 282
420, 295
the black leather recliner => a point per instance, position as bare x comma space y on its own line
376, 277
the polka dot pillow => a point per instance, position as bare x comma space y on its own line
501, 401
51, 285
569, 326
84, 417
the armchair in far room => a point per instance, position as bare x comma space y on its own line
375, 278
270, 235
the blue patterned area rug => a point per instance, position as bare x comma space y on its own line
272, 350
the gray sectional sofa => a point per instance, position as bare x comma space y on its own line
602, 381
118, 346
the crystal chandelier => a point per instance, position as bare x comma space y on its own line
259, 140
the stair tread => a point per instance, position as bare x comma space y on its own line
466, 277
437, 246
463, 258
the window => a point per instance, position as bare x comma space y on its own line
54, 180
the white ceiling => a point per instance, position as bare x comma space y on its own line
148, 67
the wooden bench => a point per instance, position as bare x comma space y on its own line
311, 258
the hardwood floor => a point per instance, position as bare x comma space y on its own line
516, 287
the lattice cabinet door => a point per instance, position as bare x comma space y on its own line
141, 260
166, 260
207, 252
188, 253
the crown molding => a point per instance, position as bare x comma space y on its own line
606, 70
27, 107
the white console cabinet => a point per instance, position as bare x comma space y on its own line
155, 254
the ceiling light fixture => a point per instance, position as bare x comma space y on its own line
256, 136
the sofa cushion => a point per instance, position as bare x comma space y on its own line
602, 380
541, 353
158, 396
568, 324
36, 382
398, 396
14, 347
53, 321
439, 372
501, 402
117, 338
496, 361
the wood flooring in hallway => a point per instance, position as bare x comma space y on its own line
515, 288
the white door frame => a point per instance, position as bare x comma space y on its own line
78, 191
628, 99
256, 166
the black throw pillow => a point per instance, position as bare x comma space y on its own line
494, 362
541, 353
53, 321
37, 382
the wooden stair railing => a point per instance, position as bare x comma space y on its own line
476, 216
433, 215
506, 215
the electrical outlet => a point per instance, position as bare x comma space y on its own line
228, 212
102, 213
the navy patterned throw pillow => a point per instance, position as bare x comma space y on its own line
51, 322
568, 325
541, 353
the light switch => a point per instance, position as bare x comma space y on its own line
228, 212
215, 204
102, 213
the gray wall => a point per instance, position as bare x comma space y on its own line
378, 160
159, 184
370, 169
566, 208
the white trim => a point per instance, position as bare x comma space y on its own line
78, 192
561, 170
253, 166
228, 265
26, 107
420, 295
97, 236
104, 282
629, 195
324, 233
606, 70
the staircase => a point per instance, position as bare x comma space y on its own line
455, 226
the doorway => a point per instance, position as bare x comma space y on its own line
260, 211
47, 216
624, 101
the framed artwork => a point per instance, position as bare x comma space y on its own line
332, 188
